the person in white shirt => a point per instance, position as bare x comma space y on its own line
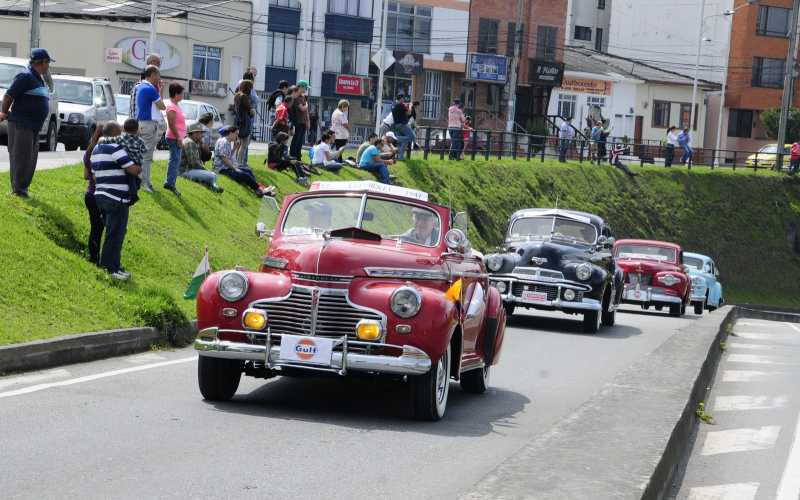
566, 133
455, 126
340, 124
672, 143
324, 156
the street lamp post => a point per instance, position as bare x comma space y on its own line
697, 65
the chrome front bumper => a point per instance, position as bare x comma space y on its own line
412, 361
559, 303
647, 295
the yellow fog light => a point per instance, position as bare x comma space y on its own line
368, 330
254, 319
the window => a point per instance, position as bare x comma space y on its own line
206, 62
432, 100
768, 72
661, 114
292, 4
686, 116
566, 105
601, 4
487, 36
598, 39
740, 123
394, 85
583, 33
511, 40
408, 27
281, 49
361, 8
600, 102
546, 37
346, 57
773, 21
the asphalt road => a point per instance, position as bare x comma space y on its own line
136, 427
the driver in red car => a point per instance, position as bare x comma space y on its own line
424, 231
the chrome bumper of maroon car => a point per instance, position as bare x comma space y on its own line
648, 295
412, 361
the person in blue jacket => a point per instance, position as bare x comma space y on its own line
684, 141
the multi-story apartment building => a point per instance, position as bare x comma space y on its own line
494, 27
588, 23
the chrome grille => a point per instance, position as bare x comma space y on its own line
328, 278
334, 315
638, 278
551, 291
540, 272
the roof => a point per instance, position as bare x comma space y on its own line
14, 60
648, 242
75, 78
571, 214
370, 187
696, 255
584, 60
114, 10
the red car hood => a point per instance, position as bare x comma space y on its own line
644, 266
348, 257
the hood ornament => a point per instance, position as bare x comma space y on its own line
538, 260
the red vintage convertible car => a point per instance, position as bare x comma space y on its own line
654, 275
358, 277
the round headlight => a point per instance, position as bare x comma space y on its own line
583, 271
233, 286
569, 294
75, 118
501, 286
406, 301
494, 262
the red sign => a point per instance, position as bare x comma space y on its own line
351, 85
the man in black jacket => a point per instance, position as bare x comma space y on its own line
405, 134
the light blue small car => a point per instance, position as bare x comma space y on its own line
706, 288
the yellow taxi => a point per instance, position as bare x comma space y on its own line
766, 156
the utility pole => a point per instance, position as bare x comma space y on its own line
381, 68
151, 45
718, 143
35, 16
697, 66
788, 85
512, 83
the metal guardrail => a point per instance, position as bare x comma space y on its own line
489, 144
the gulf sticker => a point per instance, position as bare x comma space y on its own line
305, 349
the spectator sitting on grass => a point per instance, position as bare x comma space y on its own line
192, 167
353, 161
371, 161
225, 162
324, 156
278, 158
206, 120
390, 150
113, 196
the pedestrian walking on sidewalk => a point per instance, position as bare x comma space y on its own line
26, 106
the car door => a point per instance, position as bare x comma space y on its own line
100, 103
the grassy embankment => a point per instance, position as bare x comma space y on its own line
49, 289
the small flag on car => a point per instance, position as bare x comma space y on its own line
200, 274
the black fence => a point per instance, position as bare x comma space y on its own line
488, 144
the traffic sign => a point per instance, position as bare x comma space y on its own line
383, 59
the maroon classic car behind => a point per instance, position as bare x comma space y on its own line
654, 275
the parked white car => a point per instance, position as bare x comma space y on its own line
123, 107
48, 135
193, 110
83, 103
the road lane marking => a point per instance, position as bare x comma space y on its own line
746, 375
735, 440
767, 324
752, 358
794, 327
743, 403
89, 378
773, 337
737, 491
144, 358
789, 488
756, 347
33, 377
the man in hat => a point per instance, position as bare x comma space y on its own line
424, 231
26, 106
455, 127
192, 167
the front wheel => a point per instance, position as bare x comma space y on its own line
509, 309
591, 321
698, 308
51, 141
476, 381
430, 391
218, 378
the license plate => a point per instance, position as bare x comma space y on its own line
534, 296
308, 350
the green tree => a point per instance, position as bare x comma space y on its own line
771, 118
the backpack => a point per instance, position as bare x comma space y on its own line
272, 98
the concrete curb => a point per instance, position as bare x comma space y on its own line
83, 347
629, 439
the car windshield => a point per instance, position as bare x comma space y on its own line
123, 104
391, 219
539, 228
693, 262
74, 92
189, 110
772, 149
646, 252
8, 72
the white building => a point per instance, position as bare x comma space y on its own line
588, 24
666, 34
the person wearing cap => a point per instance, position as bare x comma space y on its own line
424, 231
371, 161
26, 106
390, 148
455, 126
300, 119
192, 167
277, 95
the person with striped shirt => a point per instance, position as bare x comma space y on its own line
113, 171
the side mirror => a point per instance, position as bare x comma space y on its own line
456, 241
267, 217
461, 222
602, 241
